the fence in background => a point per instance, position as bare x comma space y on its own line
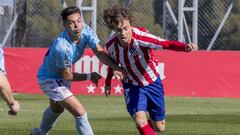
215, 27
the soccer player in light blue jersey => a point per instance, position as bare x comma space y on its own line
5, 89
55, 73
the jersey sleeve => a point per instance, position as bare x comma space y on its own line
172, 45
109, 70
93, 39
154, 42
64, 58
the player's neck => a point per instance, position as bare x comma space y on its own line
124, 44
75, 39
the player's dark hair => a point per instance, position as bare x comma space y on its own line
68, 11
114, 15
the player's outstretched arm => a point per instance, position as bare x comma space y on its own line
106, 59
6, 93
68, 75
107, 88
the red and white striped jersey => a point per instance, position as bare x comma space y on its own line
137, 58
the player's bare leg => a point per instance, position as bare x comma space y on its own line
78, 111
140, 118
73, 106
49, 118
158, 126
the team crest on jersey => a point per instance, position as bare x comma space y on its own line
133, 52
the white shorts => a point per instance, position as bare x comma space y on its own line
57, 90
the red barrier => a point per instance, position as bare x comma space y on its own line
21, 66
199, 74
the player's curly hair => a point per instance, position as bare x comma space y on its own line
114, 15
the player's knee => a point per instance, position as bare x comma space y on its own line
160, 129
140, 119
159, 126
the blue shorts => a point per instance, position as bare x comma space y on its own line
147, 98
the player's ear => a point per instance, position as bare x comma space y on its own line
64, 23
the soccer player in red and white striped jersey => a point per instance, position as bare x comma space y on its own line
131, 47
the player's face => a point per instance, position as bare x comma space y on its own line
74, 24
124, 32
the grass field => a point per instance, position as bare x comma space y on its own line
108, 116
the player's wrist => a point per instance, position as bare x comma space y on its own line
89, 76
10, 103
188, 49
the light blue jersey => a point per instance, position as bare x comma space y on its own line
2, 64
64, 53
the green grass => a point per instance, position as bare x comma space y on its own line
108, 116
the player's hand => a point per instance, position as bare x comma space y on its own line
95, 77
107, 89
14, 108
119, 75
191, 47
